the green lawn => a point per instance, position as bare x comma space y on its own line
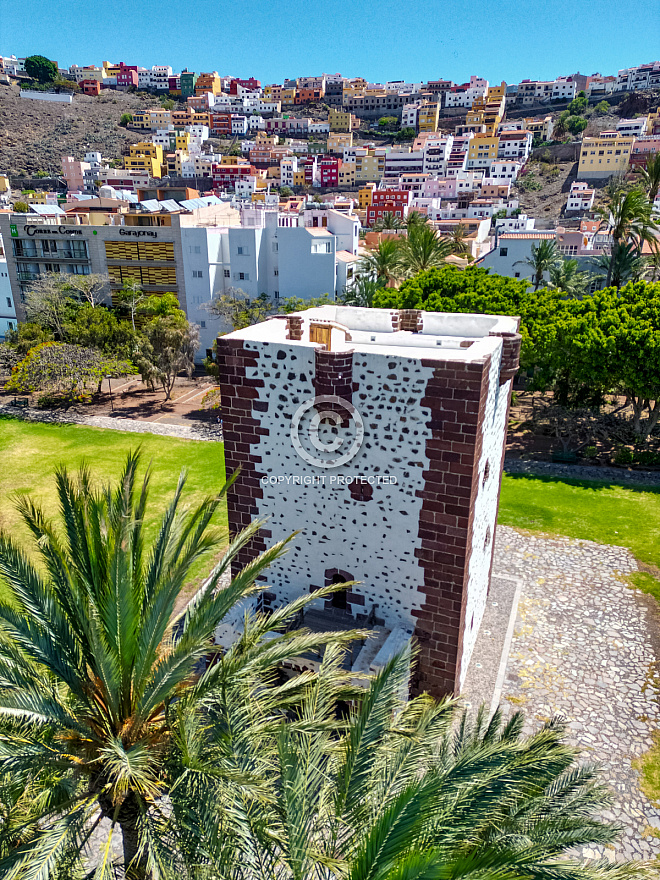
626, 516
29, 453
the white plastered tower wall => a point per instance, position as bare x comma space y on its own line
412, 515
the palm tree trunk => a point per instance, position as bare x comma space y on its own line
135, 864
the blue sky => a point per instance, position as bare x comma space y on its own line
379, 39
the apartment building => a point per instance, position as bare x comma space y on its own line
403, 161
633, 127
340, 120
7, 306
388, 201
482, 151
515, 145
607, 154
428, 117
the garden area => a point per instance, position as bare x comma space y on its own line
31, 452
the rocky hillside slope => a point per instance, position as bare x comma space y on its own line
34, 135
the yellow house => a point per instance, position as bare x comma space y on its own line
337, 142
496, 93
369, 167
427, 117
201, 117
340, 120
365, 194
288, 96
111, 69
143, 163
540, 127
208, 82
141, 119
605, 155
4, 183
346, 175
482, 150
144, 148
299, 178
182, 140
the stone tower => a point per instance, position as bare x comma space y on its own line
379, 435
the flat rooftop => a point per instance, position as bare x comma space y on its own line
442, 335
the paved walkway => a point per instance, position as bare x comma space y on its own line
585, 647
581, 471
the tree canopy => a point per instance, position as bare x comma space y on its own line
40, 68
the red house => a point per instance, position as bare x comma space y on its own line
90, 87
387, 201
251, 85
127, 75
329, 171
220, 123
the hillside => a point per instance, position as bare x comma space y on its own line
35, 135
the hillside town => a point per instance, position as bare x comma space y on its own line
305, 158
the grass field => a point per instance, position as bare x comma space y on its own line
628, 516
30, 452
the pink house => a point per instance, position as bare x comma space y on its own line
73, 171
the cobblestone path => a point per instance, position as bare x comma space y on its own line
585, 647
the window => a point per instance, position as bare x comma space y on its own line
277, 294
276, 272
197, 273
202, 324
78, 269
8, 302
242, 251
48, 247
504, 251
227, 273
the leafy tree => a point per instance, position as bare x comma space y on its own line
422, 249
576, 124
130, 298
103, 683
164, 305
166, 350
66, 371
47, 304
383, 263
26, 335
98, 327
295, 304
236, 307
387, 121
21, 207
543, 257
578, 105
167, 103
650, 176
40, 68
529, 182
126, 119
602, 108
286, 192
405, 134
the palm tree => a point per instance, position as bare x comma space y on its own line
629, 220
457, 238
651, 176
383, 262
392, 791
416, 218
423, 249
623, 264
389, 221
543, 258
362, 292
566, 276
95, 665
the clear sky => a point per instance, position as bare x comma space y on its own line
377, 39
